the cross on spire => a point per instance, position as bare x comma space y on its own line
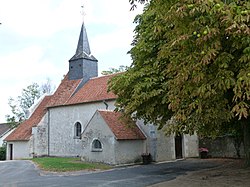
83, 65
82, 12
83, 49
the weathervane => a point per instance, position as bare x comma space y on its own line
82, 12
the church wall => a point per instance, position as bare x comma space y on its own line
113, 152
160, 146
150, 138
62, 141
40, 137
165, 146
191, 145
129, 151
98, 129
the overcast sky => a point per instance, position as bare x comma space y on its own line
38, 37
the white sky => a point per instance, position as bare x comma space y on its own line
38, 37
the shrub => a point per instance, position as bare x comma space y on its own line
3, 153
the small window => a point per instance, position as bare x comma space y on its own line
152, 133
78, 130
96, 145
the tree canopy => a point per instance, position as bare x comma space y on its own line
135, 2
191, 63
20, 105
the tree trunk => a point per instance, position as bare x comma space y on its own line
247, 142
237, 143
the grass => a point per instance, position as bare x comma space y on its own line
59, 164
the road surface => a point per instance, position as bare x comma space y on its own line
23, 173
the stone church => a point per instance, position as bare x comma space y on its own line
78, 120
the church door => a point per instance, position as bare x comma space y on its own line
178, 146
11, 151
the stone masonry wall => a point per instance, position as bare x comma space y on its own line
221, 147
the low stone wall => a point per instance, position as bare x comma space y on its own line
221, 147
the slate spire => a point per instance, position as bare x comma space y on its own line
83, 49
83, 65
83, 43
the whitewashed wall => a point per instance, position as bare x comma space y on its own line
162, 147
55, 136
40, 137
21, 149
129, 151
165, 147
61, 127
191, 145
98, 129
113, 152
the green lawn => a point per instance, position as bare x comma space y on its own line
59, 164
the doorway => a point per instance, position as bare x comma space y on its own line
11, 151
178, 147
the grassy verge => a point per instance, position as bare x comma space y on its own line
59, 164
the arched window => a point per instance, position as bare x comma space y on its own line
78, 130
96, 145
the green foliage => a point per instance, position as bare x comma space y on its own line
20, 106
3, 153
191, 63
66, 164
134, 3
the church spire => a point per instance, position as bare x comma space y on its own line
83, 42
83, 65
83, 49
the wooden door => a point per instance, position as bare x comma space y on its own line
178, 146
11, 151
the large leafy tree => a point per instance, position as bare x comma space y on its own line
191, 63
20, 105
135, 2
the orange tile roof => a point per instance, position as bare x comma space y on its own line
120, 128
96, 89
24, 130
69, 92
64, 91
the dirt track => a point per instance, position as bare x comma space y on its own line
231, 173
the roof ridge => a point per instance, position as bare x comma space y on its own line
105, 110
24, 130
103, 76
36, 104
